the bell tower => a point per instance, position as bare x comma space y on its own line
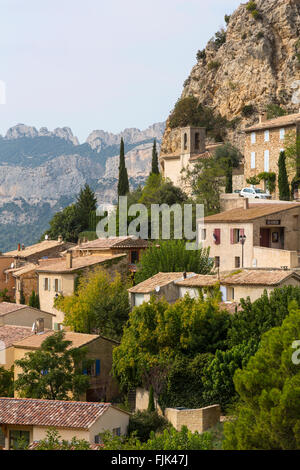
192, 140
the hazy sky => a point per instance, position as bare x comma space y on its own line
93, 64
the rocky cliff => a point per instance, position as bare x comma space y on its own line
256, 63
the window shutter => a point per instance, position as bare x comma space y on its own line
97, 367
232, 236
217, 233
253, 155
59, 285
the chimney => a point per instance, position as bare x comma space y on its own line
184, 275
19, 246
69, 260
246, 203
60, 238
23, 247
262, 117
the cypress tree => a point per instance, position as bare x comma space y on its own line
22, 298
283, 182
155, 167
151, 403
32, 300
123, 184
85, 204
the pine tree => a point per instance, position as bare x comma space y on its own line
155, 167
123, 184
85, 204
283, 182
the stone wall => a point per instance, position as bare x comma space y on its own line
199, 420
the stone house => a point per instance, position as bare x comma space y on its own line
264, 142
238, 284
271, 230
7, 282
45, 249
25, 281
9, 334
99, 350
59, 276
22, 315
130, 245
30, 419
161, 285
191, 146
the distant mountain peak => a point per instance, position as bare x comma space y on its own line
22, 130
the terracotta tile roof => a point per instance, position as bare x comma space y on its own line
160, 279
198, 280
9, 334
113, 242
35, 341
37, 248
231, 307
24, 269
257, 277
65, 414
58, 265
255, 211
8, 307
282, 121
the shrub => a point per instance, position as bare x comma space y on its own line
251, 6
227, 19
260, 35
274, 111
201, 55
248, 110
220, 38
143, 423
213, 65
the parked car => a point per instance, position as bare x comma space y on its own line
255, 193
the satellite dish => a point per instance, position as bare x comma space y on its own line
46, 237
12, 265
157, 288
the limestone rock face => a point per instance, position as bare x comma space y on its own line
21, 130
258, 64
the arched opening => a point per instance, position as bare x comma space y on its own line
185, 141
197, 141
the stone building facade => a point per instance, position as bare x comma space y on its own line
263, 144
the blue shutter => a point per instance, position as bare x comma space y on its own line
97, 367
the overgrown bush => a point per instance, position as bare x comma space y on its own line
201, 55
220, 38
274, 111
143, 423
248, 110
213, 65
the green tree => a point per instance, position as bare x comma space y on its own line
86, 204
65, 223
283, 182
268, 416
275, 111
123, 183
206, 180
4, 295
172, 256
229, 157
99, 304
22, 297
142, 423
53, 371
154, 167
256, 318
6, 382
158, 332
34, 300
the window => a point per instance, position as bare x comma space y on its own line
282, 134
266, 162
217, 236
197, 141
97, 439
237, 262
217, 261
185, 142
2, 439
117, 432
57, 285
134, 257
252, 159
267, 136
46, 283
18, 439
138, 299
253, 138
203, 234
235, 235
230, 294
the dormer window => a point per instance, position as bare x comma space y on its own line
267, 136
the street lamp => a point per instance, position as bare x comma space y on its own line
243, 239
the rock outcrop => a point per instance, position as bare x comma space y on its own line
257, 65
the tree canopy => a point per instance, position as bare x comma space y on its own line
123, 183
99, 304
154, 165
53, 371
172, 256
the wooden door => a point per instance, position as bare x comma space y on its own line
265, 237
